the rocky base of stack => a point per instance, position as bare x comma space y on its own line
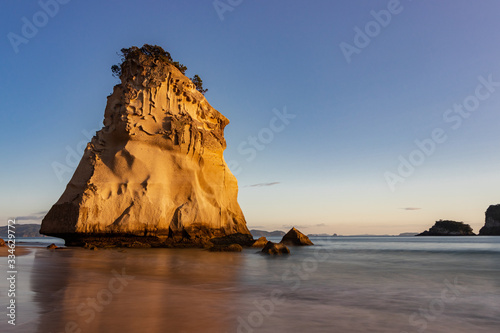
175, 240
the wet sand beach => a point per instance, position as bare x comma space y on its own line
20, 251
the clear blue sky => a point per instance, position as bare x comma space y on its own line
353, 123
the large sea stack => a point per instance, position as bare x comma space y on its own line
155, 173
492, 222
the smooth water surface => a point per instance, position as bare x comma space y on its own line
342, 284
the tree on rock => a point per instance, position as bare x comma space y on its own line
159, 54
198, 82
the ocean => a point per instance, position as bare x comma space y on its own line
342, 284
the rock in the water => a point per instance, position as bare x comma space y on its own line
275, 248
261, 242
52, 246
448, 228
226, 248
295, 238
2, 243
492, 222
155, 170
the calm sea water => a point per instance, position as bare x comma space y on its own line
343, 284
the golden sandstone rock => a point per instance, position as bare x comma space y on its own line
155, 173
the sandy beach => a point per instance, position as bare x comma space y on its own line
20, 251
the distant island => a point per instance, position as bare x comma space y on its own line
408, 234
453, 228
448, 228
321, 235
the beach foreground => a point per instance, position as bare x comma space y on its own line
343, 284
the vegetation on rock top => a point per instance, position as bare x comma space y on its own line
157, 54
449, 228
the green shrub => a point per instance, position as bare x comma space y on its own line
158, 53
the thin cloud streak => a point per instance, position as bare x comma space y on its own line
33, 217
262, 184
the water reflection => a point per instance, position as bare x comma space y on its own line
135, 290
363, 285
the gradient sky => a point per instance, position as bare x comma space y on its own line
323, 171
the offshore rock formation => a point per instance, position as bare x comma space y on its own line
492, 222
449, 228
261, 242
295, 238
155, 173
275, 249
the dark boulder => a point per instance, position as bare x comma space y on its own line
275, 248
295, 238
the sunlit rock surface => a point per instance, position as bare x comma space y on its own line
155, 173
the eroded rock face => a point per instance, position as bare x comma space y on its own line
492, 222
295, 238
155, 170
448, 228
